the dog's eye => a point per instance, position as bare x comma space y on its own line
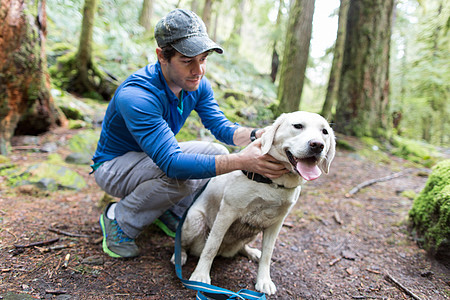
298, 126
324, 131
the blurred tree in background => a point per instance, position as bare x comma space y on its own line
257, 39
295, 57
336, 66
363, 97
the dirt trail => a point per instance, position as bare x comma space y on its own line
331, 247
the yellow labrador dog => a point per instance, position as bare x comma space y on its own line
235, 207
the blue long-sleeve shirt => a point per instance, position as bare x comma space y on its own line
144, 116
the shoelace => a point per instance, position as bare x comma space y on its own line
119, 234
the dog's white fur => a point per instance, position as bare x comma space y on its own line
233, 209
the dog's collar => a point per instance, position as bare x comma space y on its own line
260, 178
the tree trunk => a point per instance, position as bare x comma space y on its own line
145, 18
275, 56
206, 15
295, 58
336, 66
26, 105
84, 75
84, 54
363, 102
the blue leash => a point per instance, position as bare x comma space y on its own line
207, 291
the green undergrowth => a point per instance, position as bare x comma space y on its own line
415, 151
418, 153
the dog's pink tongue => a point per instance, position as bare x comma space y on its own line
308, 171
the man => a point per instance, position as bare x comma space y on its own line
138, 158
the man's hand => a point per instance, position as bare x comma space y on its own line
250, 159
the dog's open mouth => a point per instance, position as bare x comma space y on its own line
305, 167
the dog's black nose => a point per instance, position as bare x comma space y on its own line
316, 146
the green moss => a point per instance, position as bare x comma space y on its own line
63, 178
410, 194
4, 159
84, 142
49, 176
55, 158
344, 145
64, 70
414, 151
375, 155
186, 134
430, 214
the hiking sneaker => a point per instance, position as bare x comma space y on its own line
168, 222
115, 242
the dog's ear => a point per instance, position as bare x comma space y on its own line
324, 165
269, 134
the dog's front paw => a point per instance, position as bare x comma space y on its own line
266, 286
252, 253
183, 257
197, 276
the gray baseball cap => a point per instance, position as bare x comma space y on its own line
186, 32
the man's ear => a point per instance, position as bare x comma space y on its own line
160, 56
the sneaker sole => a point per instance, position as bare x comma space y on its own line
104, 245
164, 228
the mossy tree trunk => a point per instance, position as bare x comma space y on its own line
363, 102
26, 105
145, 18
88, 80
295, 58
336, 66
84, 53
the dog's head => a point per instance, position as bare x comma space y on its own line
304, 141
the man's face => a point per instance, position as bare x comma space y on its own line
184, 72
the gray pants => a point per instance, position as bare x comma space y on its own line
145, 190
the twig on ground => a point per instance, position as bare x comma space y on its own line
97, 240
334, 261
16, 238
56, 247
68, 233
55, 292
367, 183
373, 271
37, 243
401, 286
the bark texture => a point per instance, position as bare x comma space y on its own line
296, 53
26, 105
336, 66
363, 101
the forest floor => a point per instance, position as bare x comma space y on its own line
332, 245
